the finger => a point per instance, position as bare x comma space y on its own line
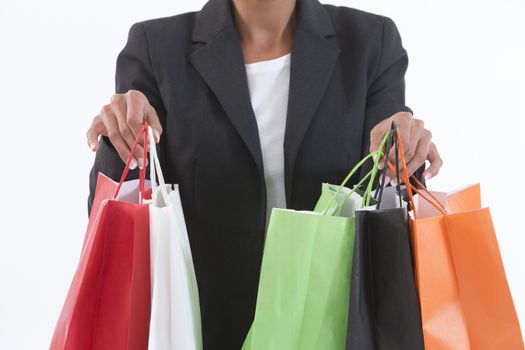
118, 105
95, 130
421, 154
110, 121
416, 132
376, 136
135, 110
390, 174
136, 103
154, 121
391, 170
404, 127
403, 122
391, 157
435, 162
375, 141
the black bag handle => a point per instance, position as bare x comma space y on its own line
381, 185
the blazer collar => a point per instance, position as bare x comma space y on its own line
218, 59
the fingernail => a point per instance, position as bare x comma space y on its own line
394, 182
133, 164
157, 135
381, 165
428, 176
92, 146
387, 180
141, 163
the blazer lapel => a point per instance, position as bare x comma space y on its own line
220, 63
313, 58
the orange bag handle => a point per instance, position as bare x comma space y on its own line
411, 188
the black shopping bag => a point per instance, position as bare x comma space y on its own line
384, 308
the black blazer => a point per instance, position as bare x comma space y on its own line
347, 74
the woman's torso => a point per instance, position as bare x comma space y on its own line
211, 147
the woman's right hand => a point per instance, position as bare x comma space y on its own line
120, 121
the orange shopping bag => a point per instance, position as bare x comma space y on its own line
464, 296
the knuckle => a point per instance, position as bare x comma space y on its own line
116, 98
96, 119
132, 119
419, 159
106, 109
135, 94
403, 117
411, 153
113, 134
124, 131
152, 111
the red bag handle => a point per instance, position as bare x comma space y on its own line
142, 174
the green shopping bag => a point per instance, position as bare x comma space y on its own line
304, 286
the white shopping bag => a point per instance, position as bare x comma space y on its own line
175, 312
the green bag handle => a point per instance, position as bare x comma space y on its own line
371, 174
375, 169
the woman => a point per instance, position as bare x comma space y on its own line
255, 104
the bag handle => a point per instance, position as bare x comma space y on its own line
411, 188
142, 172
371, 174
381, 185
156, 171
368, 192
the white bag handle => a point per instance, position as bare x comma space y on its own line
156, 170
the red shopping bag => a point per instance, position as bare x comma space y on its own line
108, 303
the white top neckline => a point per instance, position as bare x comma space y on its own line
274, 63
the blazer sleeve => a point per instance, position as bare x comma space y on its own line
133, 72
386, 92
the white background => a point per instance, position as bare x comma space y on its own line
57, 64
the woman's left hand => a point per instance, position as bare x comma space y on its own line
417, 144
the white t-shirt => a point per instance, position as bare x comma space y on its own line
268, 82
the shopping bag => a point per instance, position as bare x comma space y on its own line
465, 299
464, 296
175, 314
108, 303
304, 285
383, 308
